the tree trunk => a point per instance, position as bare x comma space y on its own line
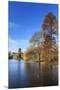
39, 56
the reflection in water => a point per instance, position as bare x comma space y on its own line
28, 74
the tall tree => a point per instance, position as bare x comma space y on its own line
19, 53
50, 28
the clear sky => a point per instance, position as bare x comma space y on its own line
25, 19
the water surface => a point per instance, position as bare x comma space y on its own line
31, 74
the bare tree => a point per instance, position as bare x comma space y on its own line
36, 41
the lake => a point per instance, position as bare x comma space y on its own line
31, 74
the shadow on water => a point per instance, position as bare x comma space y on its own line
31, 74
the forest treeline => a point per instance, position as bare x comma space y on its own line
44, 44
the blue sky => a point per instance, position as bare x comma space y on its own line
25, 19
